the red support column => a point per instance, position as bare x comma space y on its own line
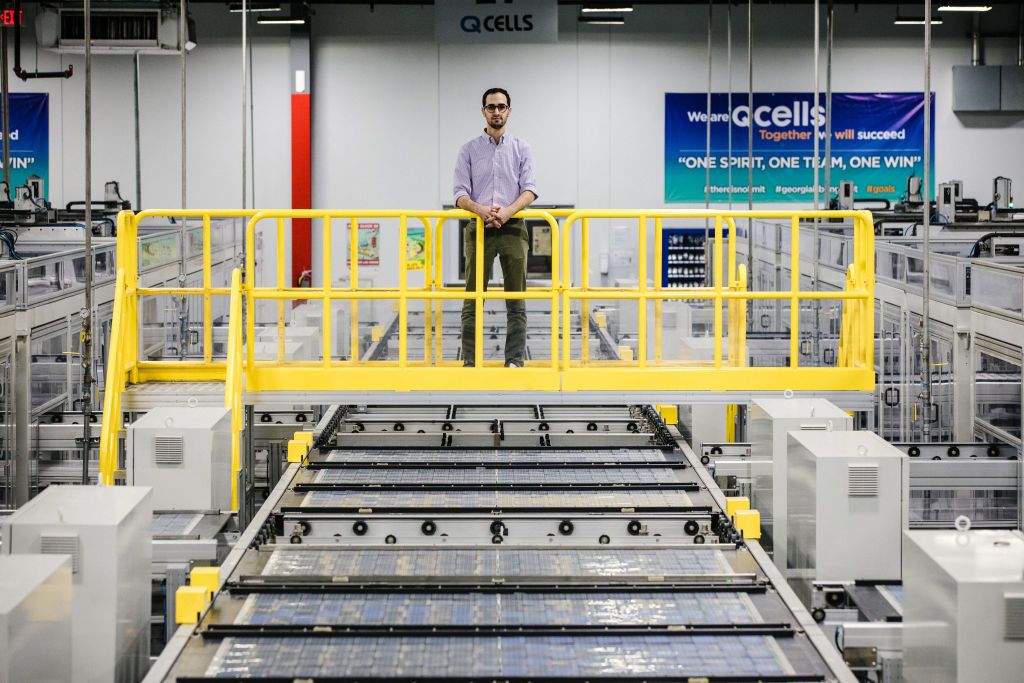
302, 195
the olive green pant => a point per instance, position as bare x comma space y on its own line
509, 244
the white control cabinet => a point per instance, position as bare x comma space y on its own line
35, 618
769, 421
107, 532
184, 454
963, 606
847, 508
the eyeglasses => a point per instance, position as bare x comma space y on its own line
500, 108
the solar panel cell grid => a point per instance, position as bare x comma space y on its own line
481, 475
452, 562
469, 609
486, 455
634, 498
578, 656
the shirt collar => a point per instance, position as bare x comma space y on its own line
490, 140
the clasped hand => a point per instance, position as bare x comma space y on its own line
496, 216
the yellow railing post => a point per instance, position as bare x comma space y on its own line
353, 285
115, 381
233, 380
657, 288
328, 285
641, 337
207, 301
794, 285
478, 302
717, 257
403, 284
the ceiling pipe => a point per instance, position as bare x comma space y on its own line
1020, 36
977, 58
21, 73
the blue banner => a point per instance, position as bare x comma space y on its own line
30, 139
877, 143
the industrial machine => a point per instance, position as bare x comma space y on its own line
769, 422
945, 203
1002, 193
105, 533
963, 605
463, 562
846, 509
184, 455
35, 618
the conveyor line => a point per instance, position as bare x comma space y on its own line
512, 563
492, 456
555, 476
548, 657
450, 500
509, 609
521, 565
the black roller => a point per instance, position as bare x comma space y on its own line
566, 528
428, 528
360, 528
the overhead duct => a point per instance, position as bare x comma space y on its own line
986, 89
116, 27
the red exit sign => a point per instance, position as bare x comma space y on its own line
9, 17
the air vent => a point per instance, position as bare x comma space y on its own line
862, 481
61, 544
1014, 629
168, 450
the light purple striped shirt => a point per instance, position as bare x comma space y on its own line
490, 173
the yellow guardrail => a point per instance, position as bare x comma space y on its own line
728, 293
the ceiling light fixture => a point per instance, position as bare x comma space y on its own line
596, 8
914, 21
603, 20
965, 8
277, 21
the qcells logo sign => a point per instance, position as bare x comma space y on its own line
500, 22
511, 21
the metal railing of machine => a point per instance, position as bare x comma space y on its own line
726, 369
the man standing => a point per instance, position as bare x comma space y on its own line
494, 179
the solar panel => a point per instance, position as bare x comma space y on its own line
490, 562
505, 656
489, 500
481, 475
479, 609
175, 523
503, 455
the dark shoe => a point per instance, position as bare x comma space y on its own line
513, 364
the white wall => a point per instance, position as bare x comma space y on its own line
391, 107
